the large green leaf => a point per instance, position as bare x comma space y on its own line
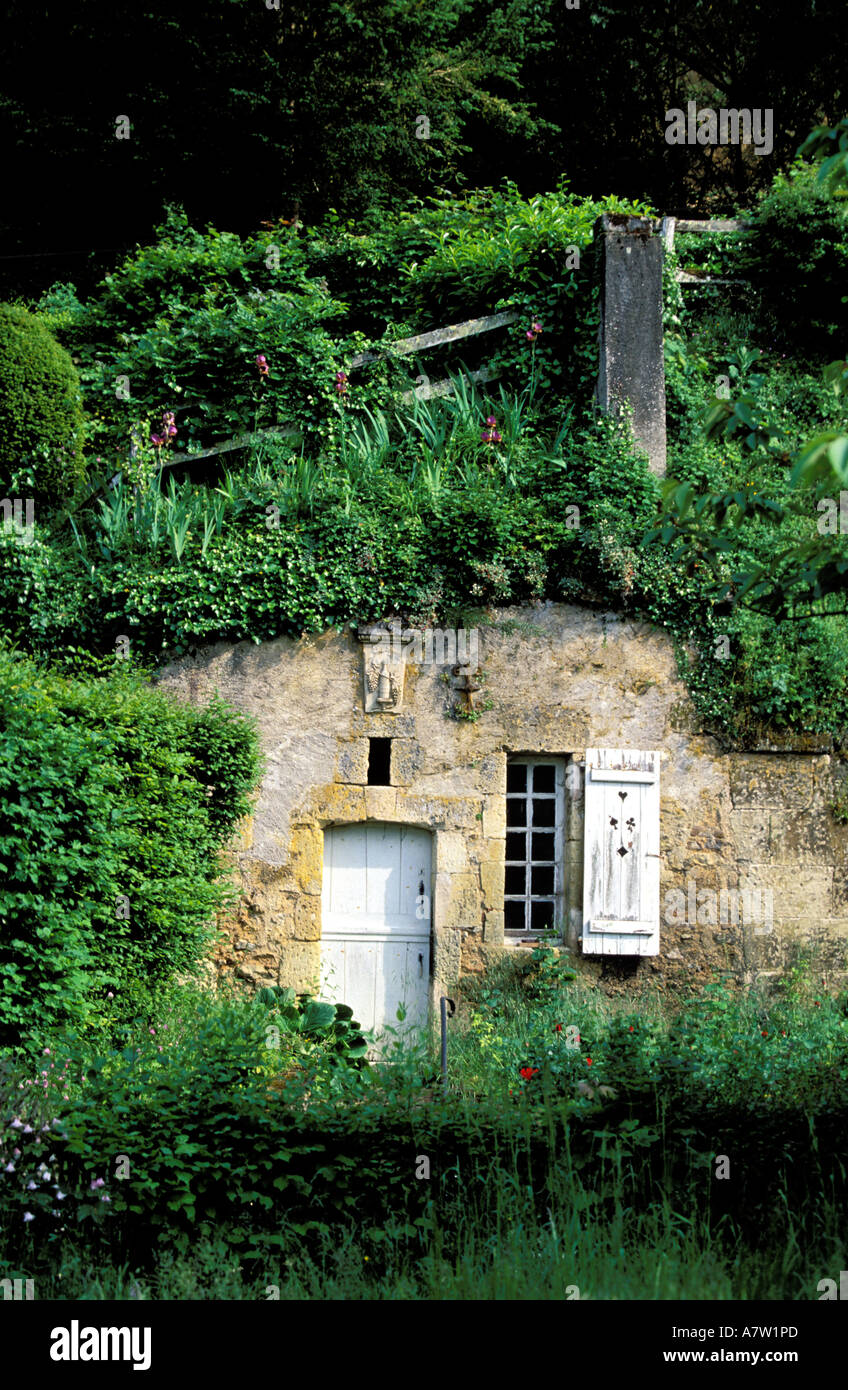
319, 1016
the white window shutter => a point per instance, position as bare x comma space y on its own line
621, 865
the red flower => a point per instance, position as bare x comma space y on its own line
557, 1027
817, 1003
588, 1061
630, 1029
765, 1034
527, 1073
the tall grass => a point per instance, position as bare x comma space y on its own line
569, 1253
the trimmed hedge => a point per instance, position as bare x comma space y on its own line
41, 416
109, 872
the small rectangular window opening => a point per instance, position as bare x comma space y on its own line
379, 762
535, 816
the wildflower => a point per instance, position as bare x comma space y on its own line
157, 439
630, 1029
97, 1182
110, 995
28, 1216
46, 1052
28, 1129
588, 1061
765, 1034
533, 331
817, 1003
262, 364
10, 1168
16, 1124
527, 1073
557, 1027
60, 1196
492, 435
104, 1197
341, 383
16, 1153
32, 1185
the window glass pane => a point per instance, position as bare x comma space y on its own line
543, 881
544, 813
516, 810
544, 779
543, 846
516, 844
514, 915
516, 777
541, 916
515, 879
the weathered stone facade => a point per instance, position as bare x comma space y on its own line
558, 679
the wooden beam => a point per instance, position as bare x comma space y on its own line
710, 224
238, 443
445, 387
684, 278
451, 334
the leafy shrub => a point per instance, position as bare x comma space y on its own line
798, 260
183, 320
331, 1025
41, 418
109, 847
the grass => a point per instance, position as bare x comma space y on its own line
660, 1254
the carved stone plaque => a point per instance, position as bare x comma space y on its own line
383, 668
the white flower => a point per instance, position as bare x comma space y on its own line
10, 1167
28, 1216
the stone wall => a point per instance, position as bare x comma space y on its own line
558, 679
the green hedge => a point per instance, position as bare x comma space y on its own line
109, 871
41, 417
797, 258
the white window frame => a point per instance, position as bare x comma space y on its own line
559, 762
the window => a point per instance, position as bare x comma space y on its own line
379, 762
535, 820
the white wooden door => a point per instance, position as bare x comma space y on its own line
375, 935
621, 861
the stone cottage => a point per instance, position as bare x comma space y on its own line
434, 799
